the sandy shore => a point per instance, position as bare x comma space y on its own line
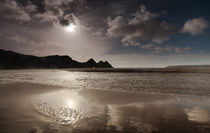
37, 108
17, 114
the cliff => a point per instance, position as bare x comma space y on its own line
12, 60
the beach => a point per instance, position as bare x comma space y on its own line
60, 101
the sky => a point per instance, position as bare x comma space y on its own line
127, 33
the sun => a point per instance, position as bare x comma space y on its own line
70, 28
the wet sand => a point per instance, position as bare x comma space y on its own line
16, 111
37, 108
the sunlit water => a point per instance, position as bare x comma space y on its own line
180, 83
109, 102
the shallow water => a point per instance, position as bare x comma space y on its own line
58, 101
169, 83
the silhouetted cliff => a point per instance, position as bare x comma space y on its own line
12, 60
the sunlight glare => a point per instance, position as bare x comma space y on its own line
70, 103
70, 28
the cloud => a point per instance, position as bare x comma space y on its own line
195, 26
166, 49
37, 36
56, 12
141, 26
23, 44
143, 29
60, 12
182, 50
12, 10
171, 49
148, 46
53, 3
19, 39
163, 49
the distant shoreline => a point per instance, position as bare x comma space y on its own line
140, 70
125, 70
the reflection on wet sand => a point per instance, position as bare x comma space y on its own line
112, 111
64, 107
198, 115
55, 101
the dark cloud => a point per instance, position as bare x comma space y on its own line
59, 12
141, 26
12, 10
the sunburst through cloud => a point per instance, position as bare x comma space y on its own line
70, 28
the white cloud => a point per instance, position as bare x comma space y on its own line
142, 26
115, 25
195, 26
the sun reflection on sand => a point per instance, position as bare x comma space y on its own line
118, 111
198, 115
70, 103
63, 107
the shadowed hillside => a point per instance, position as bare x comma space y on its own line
12, 60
